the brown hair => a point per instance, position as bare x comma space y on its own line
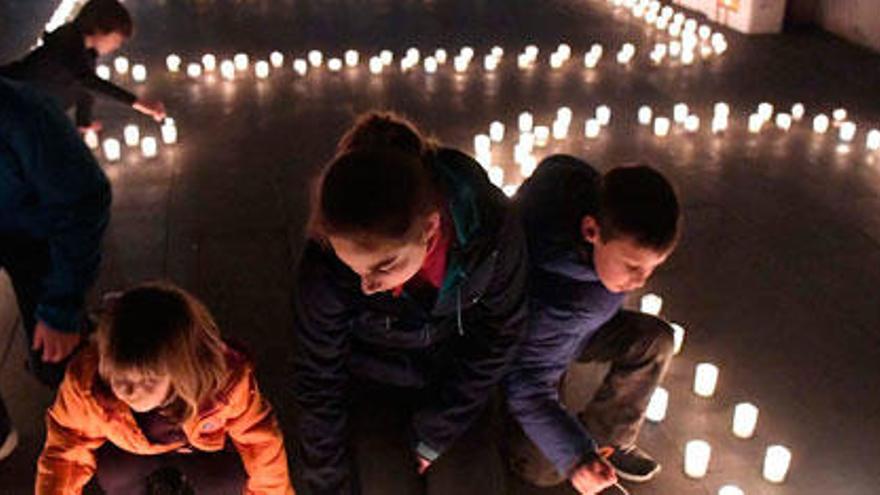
379, 184
104, 17
158, 328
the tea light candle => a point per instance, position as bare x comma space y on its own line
756, 123
460, 64
91, 139
722, 109
821, 123
352, 58
705, 32
675, 48
564, 114
131, 135
592, 128
662, 126
387, 57
261, 69
430, 65
482, 144
651, 304
840, 114
490, 63
719, 125
169, 134
526, 122
139, 73
528, 166
441, 56
497, 51
847, 132
873, 140
121, 65
730, 490
564, 50
467, 52
241, 61
797, 111
316, 58
496, 175
510, 190
560, 130
194, 70
590, 61
783, 121
765, 110
149, 147
172, 62
776, 463
334, 64
227, 70
375, 65
532, 51
542, 135
657, 406
678, 334
527, 141
103, 72
112, 150
276, 59
603, 114
680, 113
645, 115
209, 62
496, 131
745, 419
556, 61
705, 379
697, 454
692, 123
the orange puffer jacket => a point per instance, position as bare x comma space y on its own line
86, 414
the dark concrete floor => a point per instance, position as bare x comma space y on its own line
774, 279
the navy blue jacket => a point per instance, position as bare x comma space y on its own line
567, 304
459, 349
51, 188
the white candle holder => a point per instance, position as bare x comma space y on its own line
692, 124
603, 115
112, 150
241, 62
334, 64
121, 65
730, 490
276, 59
139, 73
542, 135
797, 111
261, 69
172, 62
91, 139
194, 70
209, 62
227, 70
169, 134
821, 123
783, 121
496, 131
745, 419
697, 454
662, 126
872, 142
482, 144
131, 135
658, 405
103, 72
352, 58
592, 128
315, 58
646, 115
705, 379
526, 122
776, 463
651, 304
840, 114
149, 147
680, 113
848, 131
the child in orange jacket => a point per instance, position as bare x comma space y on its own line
160, 388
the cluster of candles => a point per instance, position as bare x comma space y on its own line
745, 415
689, 37
122, 66
133, 138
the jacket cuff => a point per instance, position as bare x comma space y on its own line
60, 319
427, 452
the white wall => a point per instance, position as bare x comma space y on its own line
855, 20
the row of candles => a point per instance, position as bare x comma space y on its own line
698, 453
132, 138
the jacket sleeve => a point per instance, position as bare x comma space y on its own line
255, 433
75, 197
493, 328
321, 382
107, 89
532, 387
67, 462
84, 104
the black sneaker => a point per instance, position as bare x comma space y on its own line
634, 464
615, 489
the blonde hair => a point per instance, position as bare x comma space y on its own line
158, 328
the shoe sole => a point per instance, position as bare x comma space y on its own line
9, 445
635, 478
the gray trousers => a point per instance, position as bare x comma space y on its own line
637, 349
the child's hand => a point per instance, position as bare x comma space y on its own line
155, 109
424, 464
593, 476
56, 345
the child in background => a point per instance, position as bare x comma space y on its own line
159, 388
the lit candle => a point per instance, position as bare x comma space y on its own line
603, 114
847, 131
496, 131
531, 51
719, 124
316, 58
692, 123
121, 65
564, 50
873, 140
656, 411
103, 72
139, 73
173, 63
241, 61
276, 59
564, 114
376, 65
705, 379
597, 50
645, 115
482, 144
496, 175
722, 109
149, 147
490, 63
651, 304
797, 111
840, 114
662, 126
112, 149
91, 139
756, 123
461, 63
526, 122
261, 69
678, 334
675, 48
560, 130
194, 70
169, 134
527, 141
765, 110
131, 135
209, 62
592, 128
696, 458
441, 56
783, 121
821, 123
730, 490
227, 70
680, 113
687, 57
528, 166
745, 419
510, 190
387, 57
705, 32
776, 463
334, 64
556, 61
352, 58
497, 51
542, 135
590, 61
467, 52
430, 65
